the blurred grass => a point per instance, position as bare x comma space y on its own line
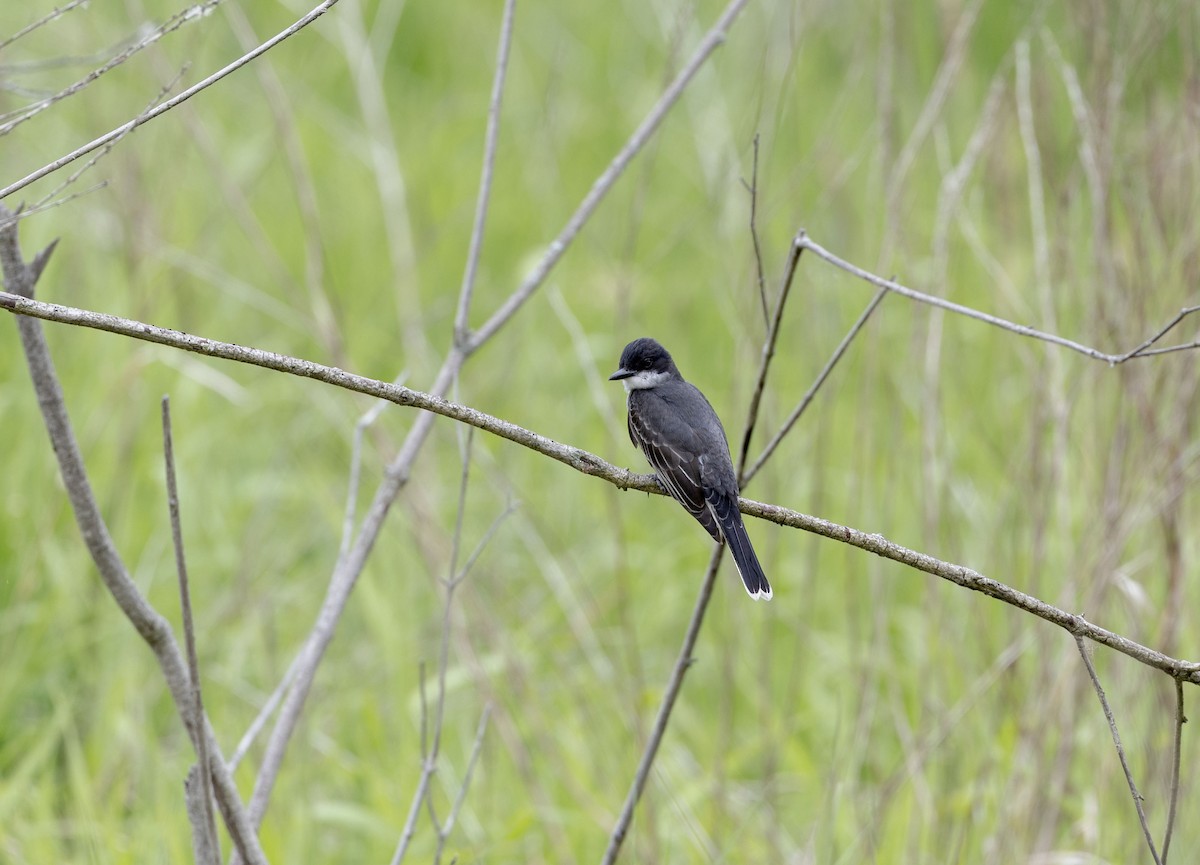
869, 714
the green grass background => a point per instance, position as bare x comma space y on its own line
319, 203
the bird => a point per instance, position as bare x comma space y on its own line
675, 426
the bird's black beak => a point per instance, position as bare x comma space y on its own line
620, 374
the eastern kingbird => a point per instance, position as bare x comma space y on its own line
673, 424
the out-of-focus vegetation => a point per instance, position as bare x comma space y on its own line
319, 203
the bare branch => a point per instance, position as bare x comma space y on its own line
1187, 346
674, 684
204, 832
607, 179
968, 578
483, 542
752, 188
260, 720
360, 427
592, 465
427, 767
143, 41
1144, 348
462, 316
1180, 720
452, 817
42, 205
129, 126
53, 14
816, 385
46, 204
1023, 330
768, 352
1116, 737
430, 754
153, 628
40, 261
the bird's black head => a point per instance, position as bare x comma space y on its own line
647, 362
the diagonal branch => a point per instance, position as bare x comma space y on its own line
143, 41
204, 831
130, 125
749, 474
605, 181
617, 837
1180, 720
52, 15
1116, 737
462, 315
592, 465
891, 285
768, 353
752, 189
152, 627
459, 799
427, 767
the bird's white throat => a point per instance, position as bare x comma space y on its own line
644, 379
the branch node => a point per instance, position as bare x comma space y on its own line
42, 259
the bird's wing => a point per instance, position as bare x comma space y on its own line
671, 451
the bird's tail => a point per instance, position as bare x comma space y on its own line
725, 509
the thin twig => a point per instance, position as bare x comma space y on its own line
1170, 325
485, 540
451, 584
276, 98
608, 177
674, 684
1180, 720
816, 385
427, 767
431, 750
46, 204
1023, 330
104, 151
752, 188
461, 510
260, 720
143, 41
768, 352
150, 625
125, 128
592, 465
56, 12
462, 315
360, 427
206, 830
1116, 737
452, 817
366, 60
1187, 346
